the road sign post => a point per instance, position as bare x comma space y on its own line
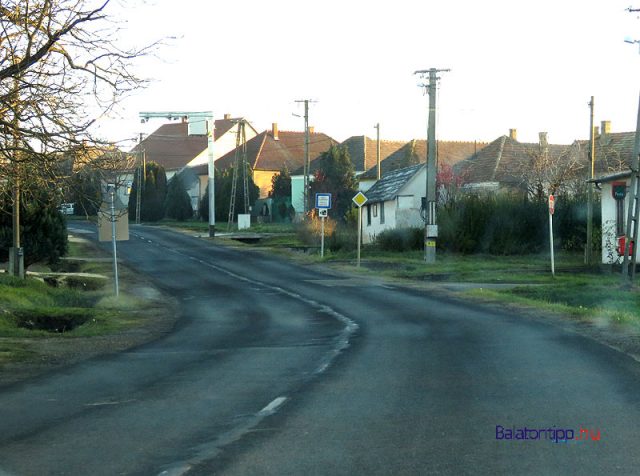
552, 204
323, 204
360, 199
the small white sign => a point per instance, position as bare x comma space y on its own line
323, 212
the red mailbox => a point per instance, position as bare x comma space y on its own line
622, 241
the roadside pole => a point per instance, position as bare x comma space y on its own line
322, 236
359, 233
551, 210
359, 199
323, 204
116, 287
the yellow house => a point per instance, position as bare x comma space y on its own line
269, 151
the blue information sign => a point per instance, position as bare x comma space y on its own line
323, 201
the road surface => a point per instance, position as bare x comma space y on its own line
281, 369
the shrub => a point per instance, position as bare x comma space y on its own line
400, 239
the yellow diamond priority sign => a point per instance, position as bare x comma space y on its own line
359, 199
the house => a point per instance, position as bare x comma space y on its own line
394, 201
509, 165
614, 156
270, 151
415, 151
362, 151
175, 146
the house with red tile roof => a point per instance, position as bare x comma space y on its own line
509, 165
271, 150
415, 152
174, 148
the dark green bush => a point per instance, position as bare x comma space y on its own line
507, 225
400, 239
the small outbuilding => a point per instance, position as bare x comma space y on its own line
614, 204
394, 201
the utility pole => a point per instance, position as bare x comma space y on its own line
592, 160
633, 212
140, 179
306, 167
377, 126
428, 211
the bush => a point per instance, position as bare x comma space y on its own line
400, 239
508, 225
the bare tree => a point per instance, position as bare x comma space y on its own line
549, 170
60, 69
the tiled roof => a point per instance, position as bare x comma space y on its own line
415, 151
504, 160
387, 187
171, 146
613, 152
266, 153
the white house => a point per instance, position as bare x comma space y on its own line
394, 202
614, 204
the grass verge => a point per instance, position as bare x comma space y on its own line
77, 316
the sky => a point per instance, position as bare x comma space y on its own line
526, 65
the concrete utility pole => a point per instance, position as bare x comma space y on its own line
202, 116
588, 257
633, 212
141, 170
429, 208
306, 154
379, 174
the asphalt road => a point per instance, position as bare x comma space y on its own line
276, 368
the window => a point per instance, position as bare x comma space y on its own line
368, 215
375, 209
381, 213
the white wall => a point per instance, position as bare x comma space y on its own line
609, 236
297, 197
402, 212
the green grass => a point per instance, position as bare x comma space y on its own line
30, 303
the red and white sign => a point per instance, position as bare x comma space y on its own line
552, 204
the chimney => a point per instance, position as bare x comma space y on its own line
605, 130
544, 142
274, 130
513, 134
227, 117
311, 129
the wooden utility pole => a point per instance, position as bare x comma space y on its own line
429, 209
588, 257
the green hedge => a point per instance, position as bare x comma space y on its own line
501, 225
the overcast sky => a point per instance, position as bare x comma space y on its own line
514, 64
